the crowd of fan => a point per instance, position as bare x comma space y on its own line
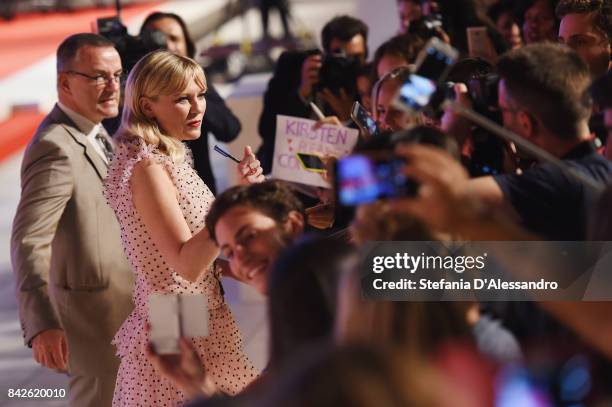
327, 345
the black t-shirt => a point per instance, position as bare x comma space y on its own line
551, 203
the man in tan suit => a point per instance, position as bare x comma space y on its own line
73, 280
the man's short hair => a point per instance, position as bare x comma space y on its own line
343, 28
602, 10
550, 82
69, 48
273, 198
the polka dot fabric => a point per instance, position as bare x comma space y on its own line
138, 384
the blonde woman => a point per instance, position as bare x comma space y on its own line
161, 204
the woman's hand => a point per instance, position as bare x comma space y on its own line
185, 370
249, 169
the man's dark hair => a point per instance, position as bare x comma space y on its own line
272, 198
602, 10
69, 48
151, 18
406, 46
550, 82
343, 28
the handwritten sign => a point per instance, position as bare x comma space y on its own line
296, 135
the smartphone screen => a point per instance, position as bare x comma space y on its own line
435, 61
363, 119
416, 92
433, 64
311, 162
362, 179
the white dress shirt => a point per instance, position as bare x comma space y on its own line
87, 127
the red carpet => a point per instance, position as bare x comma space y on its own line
17, 131
29, 38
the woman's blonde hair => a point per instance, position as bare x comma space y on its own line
157, 73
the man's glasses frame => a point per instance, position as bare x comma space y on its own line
100, 80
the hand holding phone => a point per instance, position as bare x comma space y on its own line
480, 44
364, 179
432, 66
311, 162
364, 121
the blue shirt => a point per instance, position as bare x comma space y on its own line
551, 203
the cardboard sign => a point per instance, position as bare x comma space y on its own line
295, 135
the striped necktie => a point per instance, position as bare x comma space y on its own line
106, 146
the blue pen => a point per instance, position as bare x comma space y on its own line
225, 154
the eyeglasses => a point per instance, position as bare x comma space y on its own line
100, 80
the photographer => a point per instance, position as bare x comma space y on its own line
302, 77
449, 19
409, 11
541, 98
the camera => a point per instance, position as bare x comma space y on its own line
428, 26
338, 71
483, 92
131, 48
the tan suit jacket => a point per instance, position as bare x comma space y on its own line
66, 249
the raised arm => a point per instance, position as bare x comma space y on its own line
155, 199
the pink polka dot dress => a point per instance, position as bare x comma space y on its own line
138, 383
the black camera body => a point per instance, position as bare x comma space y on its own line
488, 153
428, 26
131, 48
483, 91
338, 71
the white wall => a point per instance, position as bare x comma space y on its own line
382, 19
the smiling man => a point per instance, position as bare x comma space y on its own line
73, 281
252, 225
586, 27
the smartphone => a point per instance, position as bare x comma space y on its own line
172, 316
435, 60
432, 67
311, 162
364, 121
363, 179
480, 44
415, 93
